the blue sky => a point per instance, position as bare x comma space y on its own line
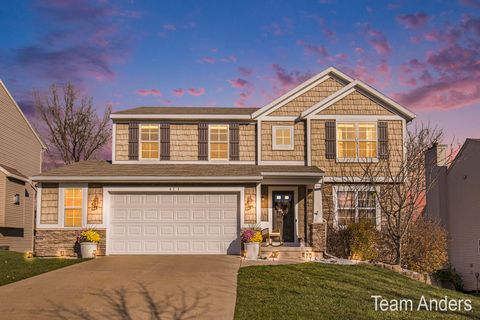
245, 53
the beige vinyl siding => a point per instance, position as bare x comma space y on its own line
333, 168
356, 103
184, 142
247, 142
19, 147
309, 98
3, 187
121, 141
19, 216
49, 203
297, 154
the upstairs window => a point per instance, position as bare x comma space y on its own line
282, 138
73, 207
149, 142
357, 141
218, 141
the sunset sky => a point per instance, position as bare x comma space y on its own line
423, 54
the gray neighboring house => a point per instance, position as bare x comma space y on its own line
20, 158
454, 200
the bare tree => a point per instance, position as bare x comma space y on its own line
398, 183
73, 129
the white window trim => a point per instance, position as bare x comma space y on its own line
140, 141
356, 188
271, 189
275, 146
61, 204
357, 159
228, 142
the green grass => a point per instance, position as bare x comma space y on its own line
14, 266
322, 291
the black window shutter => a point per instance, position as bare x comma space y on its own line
133, 141
234, 142
203, 141
330, 140
382, 128
165, 141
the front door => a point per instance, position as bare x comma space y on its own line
283, 209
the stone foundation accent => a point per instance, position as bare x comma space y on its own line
319, 238
52, 243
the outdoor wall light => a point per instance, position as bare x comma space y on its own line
16, 199
94, 204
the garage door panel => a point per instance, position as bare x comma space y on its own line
173, 223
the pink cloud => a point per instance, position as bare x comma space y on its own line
148, 92
413, 20
470, 3
230, 58
179, 92
284, 80
238, 83
209, 60
311, 49
169, 27
359, 50
280, 28
196, 92
453, 58
377, 40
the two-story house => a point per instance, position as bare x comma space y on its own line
187, 180
20, 158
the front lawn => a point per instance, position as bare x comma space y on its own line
322, 291
14, 266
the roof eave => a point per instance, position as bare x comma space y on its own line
166, 179
181, 116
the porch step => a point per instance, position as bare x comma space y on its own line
286, 252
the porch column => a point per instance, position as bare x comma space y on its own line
317, 203
258, 203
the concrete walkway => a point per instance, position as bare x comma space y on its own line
128, 287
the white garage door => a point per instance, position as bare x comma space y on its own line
173, 223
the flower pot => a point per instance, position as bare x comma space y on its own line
252, 249
88, 249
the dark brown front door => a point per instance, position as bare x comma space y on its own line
283, 209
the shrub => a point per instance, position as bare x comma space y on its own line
364, 241
425, 246
89, 236
450, 276
338, 241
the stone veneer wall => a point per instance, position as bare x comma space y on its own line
49, 203
319, 242
297, 154
247, 142
51, 242
121, 142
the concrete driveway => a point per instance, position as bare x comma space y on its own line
128, 287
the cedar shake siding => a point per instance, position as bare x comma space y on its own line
49, 204
121, 141
247, 142
297, 154
250, 205
309, 98
355, 103
184, 142
95, 215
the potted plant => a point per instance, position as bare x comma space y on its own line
251, 239
89, 240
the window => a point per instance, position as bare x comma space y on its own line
218, 142
149, 142
355, 205
356, 140
282, 138
72, 204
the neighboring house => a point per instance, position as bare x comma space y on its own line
453, 198
187, 180
20, 158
